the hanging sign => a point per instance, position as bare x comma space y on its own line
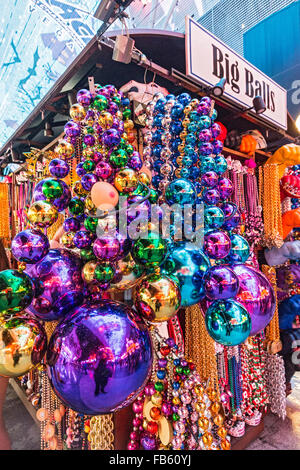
208, 60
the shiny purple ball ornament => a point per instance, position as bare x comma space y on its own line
217, 244
71, 224
88, 180
135, 162
59, 274
82, 239
205, 148
217, 146
30, 246
209, 179
205, 135
99, 358
59, 168
106, 248
72, 129
215, 130
80, 170
89, 140
111, 138
211, 196
256, 294
84, 97
225, 188
220, 282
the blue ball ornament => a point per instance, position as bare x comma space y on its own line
239, 251
180, 191
213, 217
228, 322
188, 265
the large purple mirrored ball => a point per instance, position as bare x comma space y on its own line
59, 275
99, 358
220, 282
59, 168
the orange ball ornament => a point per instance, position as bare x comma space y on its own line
104, 195
155, 413
152, 427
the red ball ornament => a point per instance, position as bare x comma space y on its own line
152, 427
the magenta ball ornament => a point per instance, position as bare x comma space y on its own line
99, 358
106, 248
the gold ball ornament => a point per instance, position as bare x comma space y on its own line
79, 189
128, 273
207, 439
64, 149
42, 214
77, 112
156, 399
90, 206
126, 180
88, 152
106, 120
157, 298
88, 271
67, 239
23, 343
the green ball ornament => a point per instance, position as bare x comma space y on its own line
180, 191
16, 291
118, 158
117, 100
129, 149
87, 254
76, 206
150, 252
100, 102
126, 114
153, 198
91, 223
89, 165
104, 272
52, 189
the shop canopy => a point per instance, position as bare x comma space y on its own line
39, 39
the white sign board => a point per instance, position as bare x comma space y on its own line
208, 60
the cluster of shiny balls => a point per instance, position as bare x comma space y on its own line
183, 143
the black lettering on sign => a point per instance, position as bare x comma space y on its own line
218, 69
235, 77
249, 84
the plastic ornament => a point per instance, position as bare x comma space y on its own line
84, 97
157, 298
82, 239
59, 168
76, 206
256, 294
187, 265
127, 274
228, 322
104, 170
88, 271
100, 102
225, 188
42, 214
77, 112
217, 244
23, 343
64, 149
60, 203
72, 129
118, 158
104, 272
239, 251
106, 248
109, 363
180, 191
220, 282
111, 138
88, 180
59, 273
67, 239
150, 252
213, 217
220, 164
52, 189
126, 180
79, 190
30, 246
16, 291
104, 195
